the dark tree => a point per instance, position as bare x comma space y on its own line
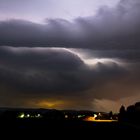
110, 114
122, 113
122, 109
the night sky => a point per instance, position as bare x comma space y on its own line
69, 54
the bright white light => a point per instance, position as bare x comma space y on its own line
66, 116
93, 61
95, 116
22, 115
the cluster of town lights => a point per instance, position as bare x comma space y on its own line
23, 115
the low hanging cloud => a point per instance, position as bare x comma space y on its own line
51, 70
110, 28
33, 76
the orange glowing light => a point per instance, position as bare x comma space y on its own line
49, 104
105, 120
90, 118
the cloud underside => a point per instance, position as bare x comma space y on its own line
75, 64
110, 28
62, 78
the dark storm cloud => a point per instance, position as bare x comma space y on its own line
114, 28
45, 71
40, 71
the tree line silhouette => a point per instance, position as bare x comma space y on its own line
131, 114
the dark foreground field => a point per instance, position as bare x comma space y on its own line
68, 128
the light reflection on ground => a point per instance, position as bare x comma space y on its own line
94, 120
